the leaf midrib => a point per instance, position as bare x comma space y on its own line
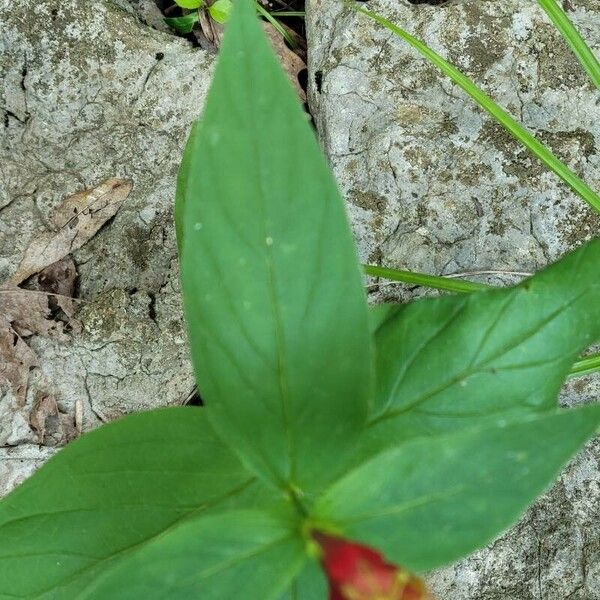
282, 359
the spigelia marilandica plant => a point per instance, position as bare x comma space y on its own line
337, 440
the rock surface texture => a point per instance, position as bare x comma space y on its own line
89, 91
434, 185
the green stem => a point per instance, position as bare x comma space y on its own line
581, 50
510, 124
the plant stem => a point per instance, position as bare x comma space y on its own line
581, 50
510, 124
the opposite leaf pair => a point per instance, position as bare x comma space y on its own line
421, 430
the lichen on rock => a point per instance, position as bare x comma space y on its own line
88, 91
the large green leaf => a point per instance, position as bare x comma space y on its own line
310, 584
111, 493
274, 302
246, 555
456, 361
429, 501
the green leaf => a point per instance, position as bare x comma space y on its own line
183, 24
499, 114
276, 312
429, 501
220, 11
454, 361
110, 494
190, 4
244, 555
309, 585
590, 363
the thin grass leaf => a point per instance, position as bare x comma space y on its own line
288, 13
570, 34
510, 124
269, 17
433, 281
586, 366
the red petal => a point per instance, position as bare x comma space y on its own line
357, 572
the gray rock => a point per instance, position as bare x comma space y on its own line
19, 462
88, 91
432, 182
147, 11
434, 185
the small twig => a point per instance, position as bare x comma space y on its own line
491, 272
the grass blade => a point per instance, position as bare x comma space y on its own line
288, 13
433, 281
581, 50
269, 17
510, 124
586, 365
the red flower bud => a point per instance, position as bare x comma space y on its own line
357, 572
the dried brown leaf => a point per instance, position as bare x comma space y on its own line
22, 313
78, 417
43, 408
59, 278
53, 427
16, 359
213, 31
27, 312
292, 64
77, 219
